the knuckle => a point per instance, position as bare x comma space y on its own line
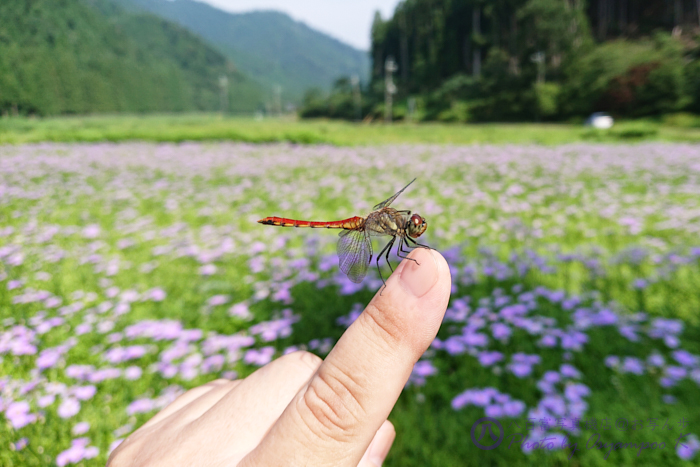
380, 322
330, 405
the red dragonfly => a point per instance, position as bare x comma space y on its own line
355, 246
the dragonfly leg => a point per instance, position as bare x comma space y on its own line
400, 250
388, 250
418, 244
379, 256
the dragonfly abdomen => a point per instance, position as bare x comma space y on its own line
351, 223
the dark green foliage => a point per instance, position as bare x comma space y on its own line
269, 46
76, 57
537, 60
626, 78
341, 103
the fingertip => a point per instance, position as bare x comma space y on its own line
419, 274
380, 446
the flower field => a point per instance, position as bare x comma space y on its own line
132, 272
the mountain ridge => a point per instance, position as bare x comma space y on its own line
90, 56
267, 45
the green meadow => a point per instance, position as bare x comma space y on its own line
213, 127
132, 272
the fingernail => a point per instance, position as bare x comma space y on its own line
418, 278
381, 445
377, 458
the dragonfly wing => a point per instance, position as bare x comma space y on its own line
353, 253
388, 202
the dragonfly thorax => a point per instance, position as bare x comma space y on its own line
416, 226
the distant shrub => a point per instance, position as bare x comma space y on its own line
547, 95
626, 78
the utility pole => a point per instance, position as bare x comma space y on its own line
390, 88
539, 58
277, 90
476, 35
223, 87
357, 96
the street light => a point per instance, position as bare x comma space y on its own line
390, 88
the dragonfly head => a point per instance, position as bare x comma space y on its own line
416, 226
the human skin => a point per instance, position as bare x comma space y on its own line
301, 410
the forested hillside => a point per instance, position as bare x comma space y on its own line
269, 46
87, 56
475, 60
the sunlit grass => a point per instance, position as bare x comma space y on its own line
213, 127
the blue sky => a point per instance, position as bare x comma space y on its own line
347, 20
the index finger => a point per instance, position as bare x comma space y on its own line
333, 418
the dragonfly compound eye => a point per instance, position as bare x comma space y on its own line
416, 226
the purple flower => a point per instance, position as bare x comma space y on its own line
240, 310
676, 372
218, 300
68, 408
576, 391
474, 339
685, 358
656, 360
548, 340
213, 363
612, 361
604, 318
569, 371
259, 357
494, 411
629, 332
553, 404
421, 370
91, 231
45, 401
551, 377
132, 373
208, 269
156, 295
140, 406
460, 400
454, 345
668, 399
18, 414
687, 448
80, 428
633, 365
520, 370
78, 451
695, 375
84, 392
501, 331
20, 444
513, 408
48, 358
573, 340
487, 358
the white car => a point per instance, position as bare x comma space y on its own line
600, 120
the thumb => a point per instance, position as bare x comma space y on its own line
332, 420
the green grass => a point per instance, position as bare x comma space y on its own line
213, 127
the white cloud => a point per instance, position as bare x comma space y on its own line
347, 20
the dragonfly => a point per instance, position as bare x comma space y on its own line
355, 245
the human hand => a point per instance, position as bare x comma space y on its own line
298, 409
